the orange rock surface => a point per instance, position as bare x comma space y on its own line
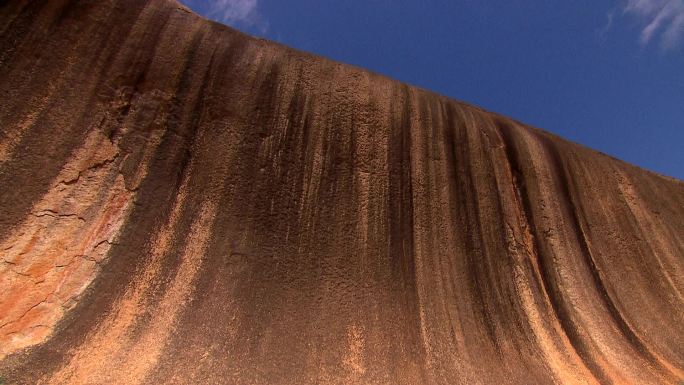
184, 204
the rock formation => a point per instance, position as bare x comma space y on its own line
184, 204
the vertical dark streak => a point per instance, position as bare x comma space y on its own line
477, 260
558, 304
451, 125
400, 212
565, 184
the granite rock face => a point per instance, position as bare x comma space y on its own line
184, 204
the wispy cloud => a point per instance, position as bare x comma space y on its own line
238, 12
661, 20
603, 32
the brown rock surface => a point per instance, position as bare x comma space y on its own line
184, 204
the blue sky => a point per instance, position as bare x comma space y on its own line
607, 74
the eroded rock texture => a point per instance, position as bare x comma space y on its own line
184, 204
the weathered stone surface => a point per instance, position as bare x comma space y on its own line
181, 203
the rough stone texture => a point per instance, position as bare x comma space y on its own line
184, 204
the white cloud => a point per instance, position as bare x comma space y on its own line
243, 12
661, 20
603, 32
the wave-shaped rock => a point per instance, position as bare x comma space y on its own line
182, 203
